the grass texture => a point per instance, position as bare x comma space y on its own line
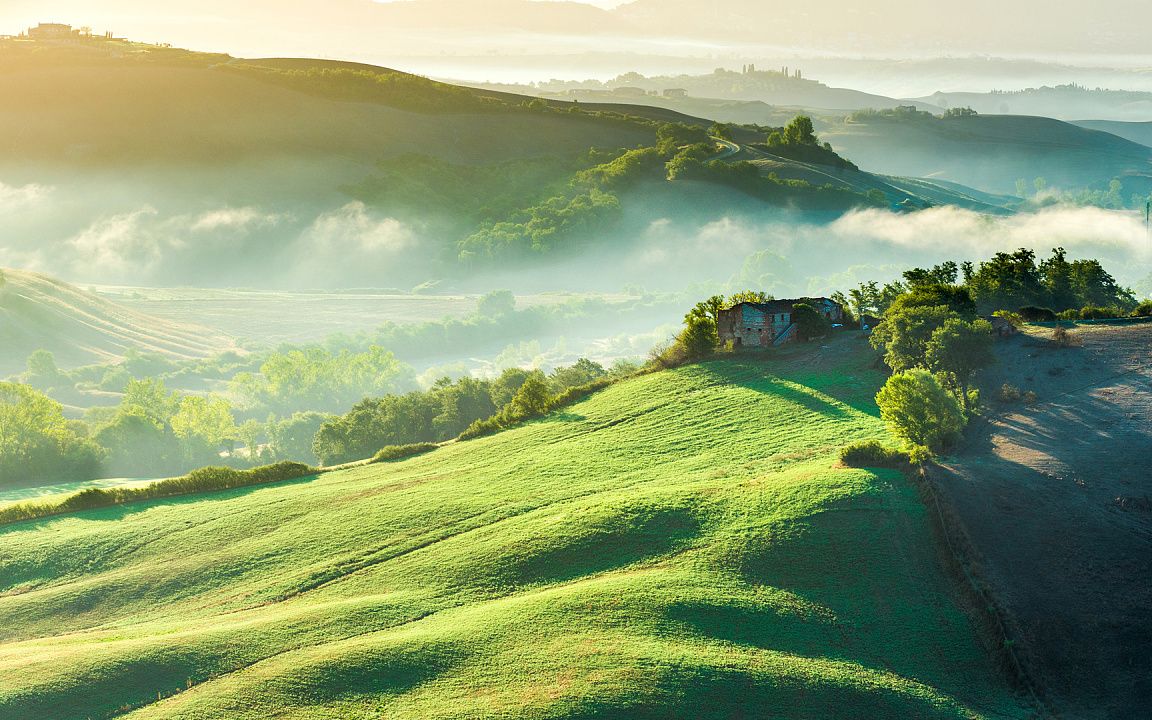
681, 545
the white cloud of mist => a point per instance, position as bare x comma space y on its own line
235, 219
221, 246
780, 256
13, 198
121, 244
353, 231
353, 246
969, 235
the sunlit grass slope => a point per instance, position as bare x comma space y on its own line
678, 546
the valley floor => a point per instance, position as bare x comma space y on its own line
682, 545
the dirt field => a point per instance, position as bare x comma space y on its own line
296, 317
1057, 500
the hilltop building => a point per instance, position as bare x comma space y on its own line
59, 32
765, 325
53, 31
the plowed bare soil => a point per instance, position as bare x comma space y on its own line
1057, 500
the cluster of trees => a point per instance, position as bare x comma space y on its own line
545, 227
37, 441
1011, 282
151, 432
589, 203
157, 432
451, 408
319, 379
1039, 194
797, 141
901, 113
935, 345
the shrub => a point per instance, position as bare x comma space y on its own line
919, 411
1017, 319
698, 338
482, 428
1011, 395
872, 454
1031, 313
1144, 309
89, 499
392, 453
578, 393
278, 472
919, 455
1093, 312
668, 356
1063, 338
1068, 315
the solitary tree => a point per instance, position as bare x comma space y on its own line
957, 351
919, 411
800, 131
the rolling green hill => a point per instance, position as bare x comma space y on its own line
680, 545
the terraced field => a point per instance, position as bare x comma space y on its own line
681, 545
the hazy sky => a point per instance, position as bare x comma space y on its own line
399, 31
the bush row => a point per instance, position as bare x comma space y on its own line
198, 481
514, 413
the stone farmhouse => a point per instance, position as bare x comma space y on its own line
764, 325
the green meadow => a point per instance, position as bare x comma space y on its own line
681, 545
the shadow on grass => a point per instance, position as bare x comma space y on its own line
758, 376
561, 417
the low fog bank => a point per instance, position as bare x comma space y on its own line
661, 244
787, 256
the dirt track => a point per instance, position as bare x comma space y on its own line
1057, 501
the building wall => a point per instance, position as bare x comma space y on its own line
746, 326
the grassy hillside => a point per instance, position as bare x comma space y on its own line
1138, 132
213, 110
680, 545
991, 153
41, 313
